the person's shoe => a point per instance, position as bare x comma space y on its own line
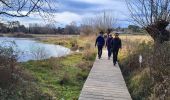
114, 64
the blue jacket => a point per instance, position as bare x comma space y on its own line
100, 41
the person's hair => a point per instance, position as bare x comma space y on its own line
116, 34
101, 32
109, 30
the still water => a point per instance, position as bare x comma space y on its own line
29, 49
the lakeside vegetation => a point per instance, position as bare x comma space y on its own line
54, 78
61, 77
150, 81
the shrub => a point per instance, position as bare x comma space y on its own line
89, 54
15, 82
82, 76
140, 86
65, 79
22, 35
8, 59
87, 46
74, 44
54, 63
156, 58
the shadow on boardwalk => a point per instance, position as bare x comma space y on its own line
105, 82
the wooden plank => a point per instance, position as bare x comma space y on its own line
105, 82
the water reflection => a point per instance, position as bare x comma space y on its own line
33, 50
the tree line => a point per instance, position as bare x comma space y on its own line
34, 28
72, 28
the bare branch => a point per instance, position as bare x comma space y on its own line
22, 8
102, 21
153, 15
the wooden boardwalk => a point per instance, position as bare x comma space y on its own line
105, 82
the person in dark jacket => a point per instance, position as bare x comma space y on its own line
108, 45
116, 45
100, 42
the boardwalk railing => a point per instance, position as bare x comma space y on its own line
105, 82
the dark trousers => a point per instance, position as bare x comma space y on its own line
109, 49
115, 54
100, 47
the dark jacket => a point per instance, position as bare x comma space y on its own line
100, 41
108, 42
116, 43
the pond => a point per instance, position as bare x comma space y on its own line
29, 49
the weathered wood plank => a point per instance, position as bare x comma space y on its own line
105, 82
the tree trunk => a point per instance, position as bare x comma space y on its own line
158, 31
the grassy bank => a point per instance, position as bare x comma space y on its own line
63, 77
74, 42
49, 79
137, 79
18, 35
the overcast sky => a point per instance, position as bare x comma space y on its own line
76, 10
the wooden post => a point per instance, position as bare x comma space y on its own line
140, 60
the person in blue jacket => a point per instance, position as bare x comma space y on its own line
116, 44
108, 45
100, 42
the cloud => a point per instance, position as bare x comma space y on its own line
63, 18
94, 1
67, 17
76, 10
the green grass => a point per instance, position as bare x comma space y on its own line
71, 42
63, 41
60, 77
55, 78
137, 78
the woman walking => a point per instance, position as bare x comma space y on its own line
108, 45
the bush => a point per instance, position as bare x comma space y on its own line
84, 65
89, 55
65, 79
8, 59
21, 35
82, 76
15, 82
74, 44
140, 86
156, 58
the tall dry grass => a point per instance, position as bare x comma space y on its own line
151, 80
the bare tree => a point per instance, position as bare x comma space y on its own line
102, 21
72, 28
22, 8
87, 26
105, 21
153, 15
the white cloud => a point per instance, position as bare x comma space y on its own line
67, 16
95, 1
63, 18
